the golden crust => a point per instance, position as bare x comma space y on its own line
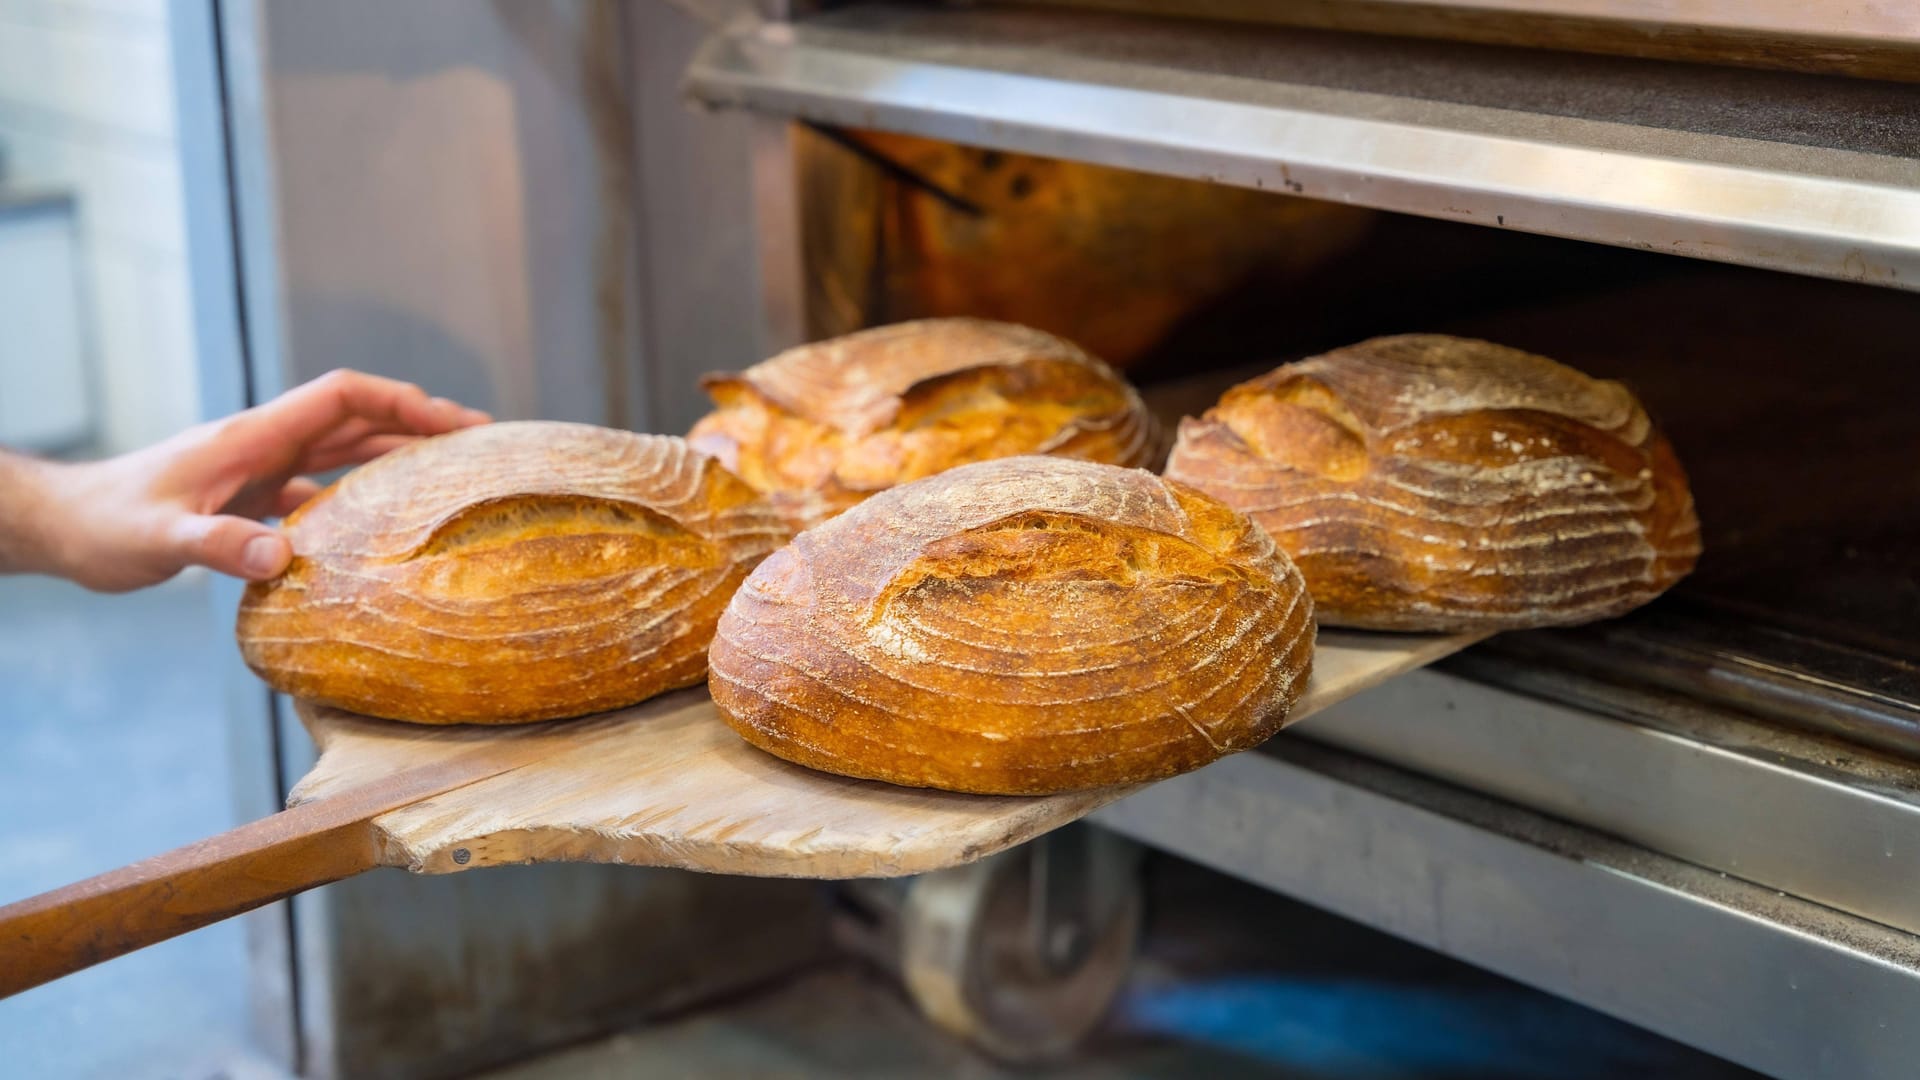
506, 573
1433, 483
825, 425
1022, 626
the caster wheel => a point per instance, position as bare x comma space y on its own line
984, 962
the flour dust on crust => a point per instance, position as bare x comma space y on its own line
822, 426
508, 573
1023, 626
1433, 483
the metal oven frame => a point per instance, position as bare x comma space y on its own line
1747, 890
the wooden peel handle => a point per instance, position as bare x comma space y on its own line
60, 932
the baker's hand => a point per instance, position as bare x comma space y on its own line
196, 499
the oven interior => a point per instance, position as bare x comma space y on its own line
1789, 399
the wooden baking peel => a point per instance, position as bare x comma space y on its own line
664, 783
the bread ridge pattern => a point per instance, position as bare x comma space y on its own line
1433, 483
821, 426
506, 573
1020, 626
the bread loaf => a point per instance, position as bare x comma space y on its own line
1436, 483
1021, 626
823, 426
512, 572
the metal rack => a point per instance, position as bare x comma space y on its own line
1808, 174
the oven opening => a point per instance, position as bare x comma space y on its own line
1788, 399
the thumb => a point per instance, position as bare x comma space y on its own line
231, 545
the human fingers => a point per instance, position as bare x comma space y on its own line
293, 493
352, 431
358, 428
365, 450
315, 410
465, 416
237, 546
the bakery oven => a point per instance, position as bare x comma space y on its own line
1703, 818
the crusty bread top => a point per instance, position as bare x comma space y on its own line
860, 383
824, 425
512, 572
503, 482
1023, 625
1427, 482
1480, 422
872, 549
1390, 382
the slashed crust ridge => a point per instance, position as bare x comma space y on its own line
1433, 483
507, 573
1021, 626
822, 426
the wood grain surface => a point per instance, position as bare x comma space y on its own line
667, 784
59, 932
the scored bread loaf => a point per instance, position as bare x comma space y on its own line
1426, 482
1021, 626
505, 573
822, 426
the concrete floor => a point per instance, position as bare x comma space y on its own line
112, 748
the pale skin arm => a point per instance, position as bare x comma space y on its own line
197, 498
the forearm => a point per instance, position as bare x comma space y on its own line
28, 529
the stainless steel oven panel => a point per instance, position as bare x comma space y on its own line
1789, 172
1775, 983
1808, 816
1876, 39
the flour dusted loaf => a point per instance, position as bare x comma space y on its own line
1435, 483
825, 425
1022, 626
511, 572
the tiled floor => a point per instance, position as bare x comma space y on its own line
112, 748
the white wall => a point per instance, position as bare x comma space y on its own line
86, 102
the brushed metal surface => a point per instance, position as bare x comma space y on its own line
1797, 813
1767, 980
1872, 39
1820, 178
1876, 20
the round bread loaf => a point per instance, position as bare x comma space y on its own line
1023, 626
1434, 483
820, 427
511, 572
